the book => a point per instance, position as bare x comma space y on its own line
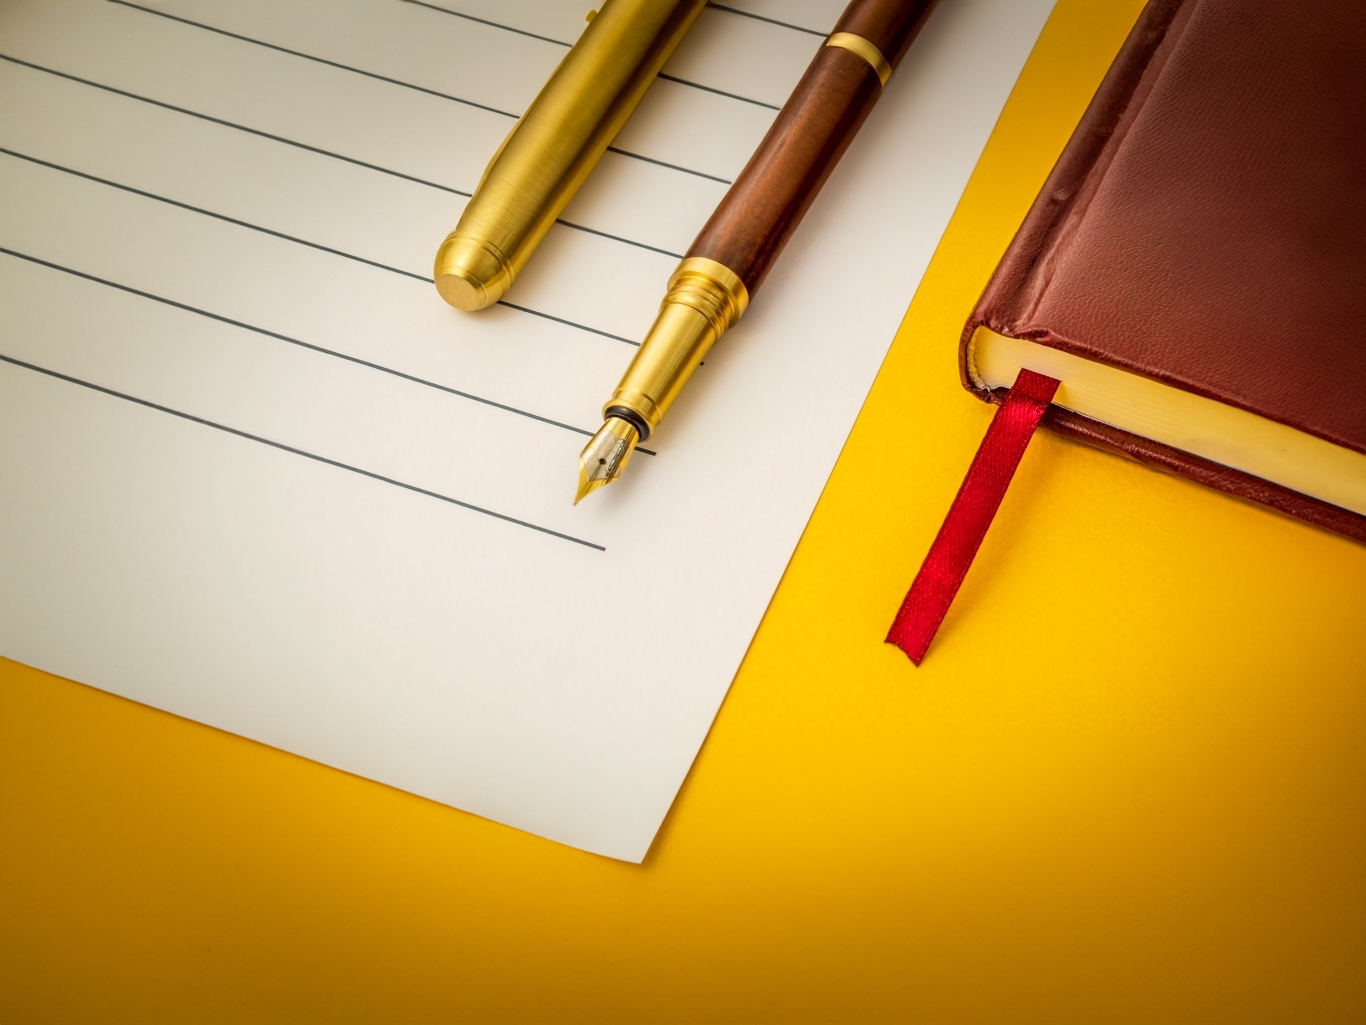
1186, 288
1193, 272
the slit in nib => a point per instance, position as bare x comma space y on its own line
606, 455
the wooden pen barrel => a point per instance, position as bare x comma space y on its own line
728, 261
763, 207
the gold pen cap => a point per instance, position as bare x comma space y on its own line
554, 145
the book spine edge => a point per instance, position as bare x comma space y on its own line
1017, 275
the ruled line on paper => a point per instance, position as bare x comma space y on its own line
234, 125
718, 92
662, 163
406, 85
485, 21
210, 213
617, 238
569, 323
311, 57
560, 42
760, 17
675, 167
290, 238
256, 329
305, 146
296, 451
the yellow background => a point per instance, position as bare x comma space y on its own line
1127, 783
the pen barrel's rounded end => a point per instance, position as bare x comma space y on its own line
470, 272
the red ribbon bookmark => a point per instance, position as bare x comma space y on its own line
942, 572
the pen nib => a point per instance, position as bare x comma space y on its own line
606, 455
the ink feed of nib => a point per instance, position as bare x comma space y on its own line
606, 455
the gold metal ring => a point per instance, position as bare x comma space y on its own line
866, 50
711, 288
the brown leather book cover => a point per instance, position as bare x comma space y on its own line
1205, 227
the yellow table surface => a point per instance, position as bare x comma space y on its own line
1127, 783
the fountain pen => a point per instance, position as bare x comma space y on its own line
729, 259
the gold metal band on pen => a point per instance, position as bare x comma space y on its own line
866, 50
711, 288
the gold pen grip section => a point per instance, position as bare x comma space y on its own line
704, 299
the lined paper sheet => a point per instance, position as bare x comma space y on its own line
256, 473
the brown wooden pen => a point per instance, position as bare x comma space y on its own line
733, 253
